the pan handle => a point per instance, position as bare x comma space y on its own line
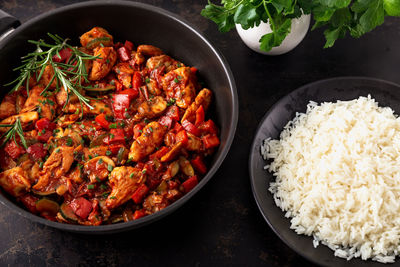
7, 24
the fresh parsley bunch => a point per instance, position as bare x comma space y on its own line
339, 17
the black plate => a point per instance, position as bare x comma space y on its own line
141, 24
343, 88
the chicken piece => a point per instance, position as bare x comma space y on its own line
151, 108
165, 61
15, 181
149, 50
99, 107
155, 202
124, 181
57, 165
32, 169
98, 151
98, 168
46, 106
95, 37
76, 175
67, 119
103, 64
180, 85
124, 73
203, 98
47, 77
26, 119
151, 137
6, 162
173, 152
194, 143
138, 59
62, 97
123, 67
11, 105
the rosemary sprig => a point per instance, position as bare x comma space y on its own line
15, 128
69, 75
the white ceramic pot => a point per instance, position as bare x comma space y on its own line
252, 36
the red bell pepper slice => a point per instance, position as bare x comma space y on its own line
139, 214
173, 113
193, 70
37, 151
137, 80
190, 183
102, 121
132, 93
45, 124
181, 136
177, 127
81, 206
123, 53
199, 115
199, 165
166, 121
208, 127
14, 150
120, 104
128, 45
117, 136
65, 54
188, 126
140, 193
159, 153
210, 141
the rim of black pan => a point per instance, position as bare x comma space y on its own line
114, 228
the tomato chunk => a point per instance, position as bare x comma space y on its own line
37, 151
199, 165
102, 121
45, 124
128, 45
65, 54
29, 202
140, 193
188, 126
120, 104
14, 150
190, 183
44, 137
81, 206
210, 141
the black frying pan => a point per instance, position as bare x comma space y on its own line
142, 24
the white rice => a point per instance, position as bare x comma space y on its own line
337, 170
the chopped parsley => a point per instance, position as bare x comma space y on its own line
100, 161
110, 167
90, 186
171, 102
108, 153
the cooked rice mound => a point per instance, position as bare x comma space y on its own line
337, 170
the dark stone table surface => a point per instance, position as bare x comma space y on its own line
221, 225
